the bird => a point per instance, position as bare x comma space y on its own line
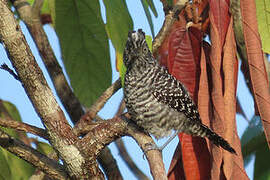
156, 101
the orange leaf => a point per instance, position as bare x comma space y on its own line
231, 163
256, 64
181, 51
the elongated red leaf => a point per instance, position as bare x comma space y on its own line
256, 64
219, 20
181, 54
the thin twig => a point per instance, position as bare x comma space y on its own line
170, 18
6, 68
129, 162
37, 159
123, 151
38, 174
109, 165
121, 108
6, 122
98, 105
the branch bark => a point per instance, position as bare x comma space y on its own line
104, 133
60, 132
98, 105
9, 123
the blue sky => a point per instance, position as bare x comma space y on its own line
11, 90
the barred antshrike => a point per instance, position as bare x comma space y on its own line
156, 100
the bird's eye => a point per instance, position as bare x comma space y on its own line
145, 50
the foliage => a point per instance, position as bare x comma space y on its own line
84, 46
263, 16
12, 167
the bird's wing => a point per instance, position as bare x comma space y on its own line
168, 90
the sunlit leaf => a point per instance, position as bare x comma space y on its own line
148, 40
45, 7
19, 169
4, 167
148, 16
152, 7
44, 148
84, 46
119, 23
263, 17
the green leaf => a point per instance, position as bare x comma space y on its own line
152, 7
148, 40
84, 46
44, 148
119, 23
7, 110
261, 166
18, 168
148, 15
170, 2
263, 17
252, 146
250, 137
45, 7
254, 129
4, 167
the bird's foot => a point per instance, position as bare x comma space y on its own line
150, 147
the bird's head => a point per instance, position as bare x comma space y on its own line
136, 48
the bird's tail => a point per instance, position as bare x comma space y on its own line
204, 131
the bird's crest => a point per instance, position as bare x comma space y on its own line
135, 39
134, 46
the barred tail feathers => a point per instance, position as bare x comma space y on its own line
202, 130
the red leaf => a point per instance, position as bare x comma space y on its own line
181, 54
258, 75
219, 10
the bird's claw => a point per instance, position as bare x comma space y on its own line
150, 146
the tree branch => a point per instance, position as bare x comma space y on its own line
129, 162
104, 133
10, 71
123, 151
20, 126
37, 159
98, 105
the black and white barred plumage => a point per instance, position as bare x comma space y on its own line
156, 100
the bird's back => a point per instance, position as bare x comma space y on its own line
141, 91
